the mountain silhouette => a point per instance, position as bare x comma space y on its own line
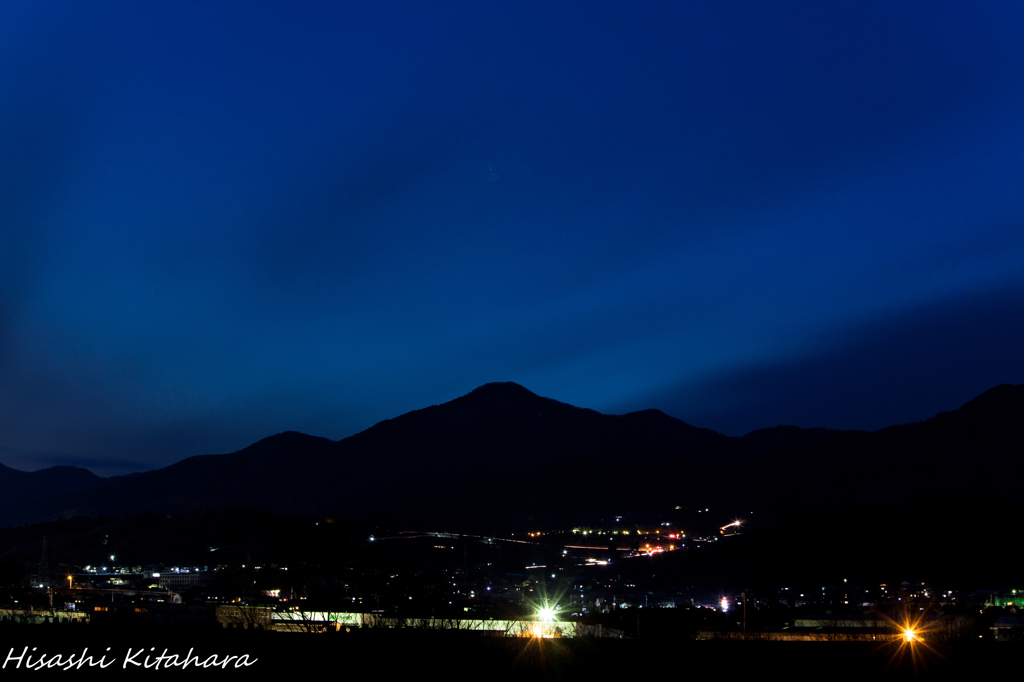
502, 455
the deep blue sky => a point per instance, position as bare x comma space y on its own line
223, 220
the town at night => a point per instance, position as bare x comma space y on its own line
500, 339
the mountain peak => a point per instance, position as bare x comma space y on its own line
502, 393
1003, 404
501, 388
1003, 394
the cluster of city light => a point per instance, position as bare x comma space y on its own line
637, 531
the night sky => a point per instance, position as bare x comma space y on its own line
223, 220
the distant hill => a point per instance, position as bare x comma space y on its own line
503, 455
975, 449
34, 496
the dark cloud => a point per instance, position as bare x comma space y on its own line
900, 369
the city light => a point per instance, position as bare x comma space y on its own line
734, 524
912, 640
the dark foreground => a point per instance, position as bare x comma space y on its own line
462, 656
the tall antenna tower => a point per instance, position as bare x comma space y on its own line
44, 562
